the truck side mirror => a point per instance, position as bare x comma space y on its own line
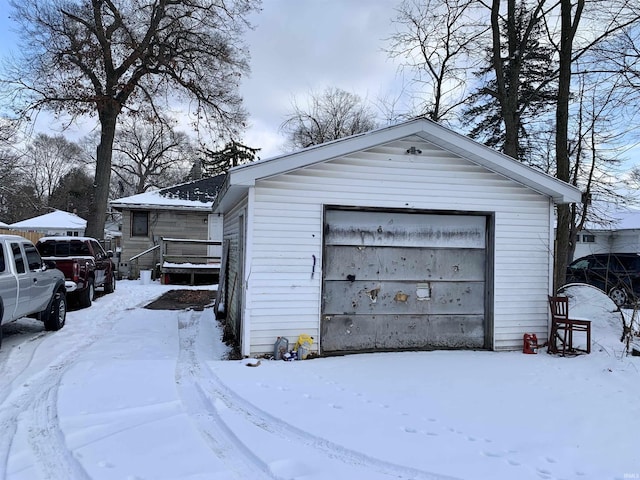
49, 264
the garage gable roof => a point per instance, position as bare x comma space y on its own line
240, 178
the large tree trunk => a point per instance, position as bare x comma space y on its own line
95, 223
569, 21
507, 82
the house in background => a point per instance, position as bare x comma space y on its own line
53, 223
406, 237
622, 237
177, 212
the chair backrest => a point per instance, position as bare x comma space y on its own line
559, 307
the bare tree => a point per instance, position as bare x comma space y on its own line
8, 133
328, 116
604, 21
11, 203
45, 161
149, 154
436, 41
105, 57
596, 142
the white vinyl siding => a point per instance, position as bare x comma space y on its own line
287, 232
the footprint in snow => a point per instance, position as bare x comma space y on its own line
543, 473
492, 454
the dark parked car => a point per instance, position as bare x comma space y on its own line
618, 275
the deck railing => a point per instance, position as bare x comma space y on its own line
188, 257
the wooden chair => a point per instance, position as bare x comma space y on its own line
563, 328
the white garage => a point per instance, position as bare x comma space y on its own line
406, 237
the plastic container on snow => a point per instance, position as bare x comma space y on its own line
145, 277
280, 348
303, 351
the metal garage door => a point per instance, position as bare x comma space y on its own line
398, 280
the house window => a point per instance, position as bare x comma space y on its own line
139, 224
588, 238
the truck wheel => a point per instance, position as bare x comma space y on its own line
88, 294
55, 316
110, 285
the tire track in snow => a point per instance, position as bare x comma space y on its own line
31, 400
33, 404
223, 442
291, 433
212, 387
17, 361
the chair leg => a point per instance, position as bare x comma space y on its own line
567, 333
553, 338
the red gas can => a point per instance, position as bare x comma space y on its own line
530, 343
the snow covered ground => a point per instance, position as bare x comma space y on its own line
123, 392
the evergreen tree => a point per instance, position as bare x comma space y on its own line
525, 91
73, 193
231, 155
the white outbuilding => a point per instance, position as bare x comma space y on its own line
406, 237
57, 222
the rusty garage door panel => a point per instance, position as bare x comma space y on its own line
346, 333
396, 229
362, 297
398, 280
404, 263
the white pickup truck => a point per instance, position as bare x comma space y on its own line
28, 286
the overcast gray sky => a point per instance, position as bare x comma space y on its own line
299, 46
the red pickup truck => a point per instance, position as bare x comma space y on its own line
85, 264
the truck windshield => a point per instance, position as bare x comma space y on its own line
63, 249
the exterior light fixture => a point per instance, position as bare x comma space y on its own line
414, 151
